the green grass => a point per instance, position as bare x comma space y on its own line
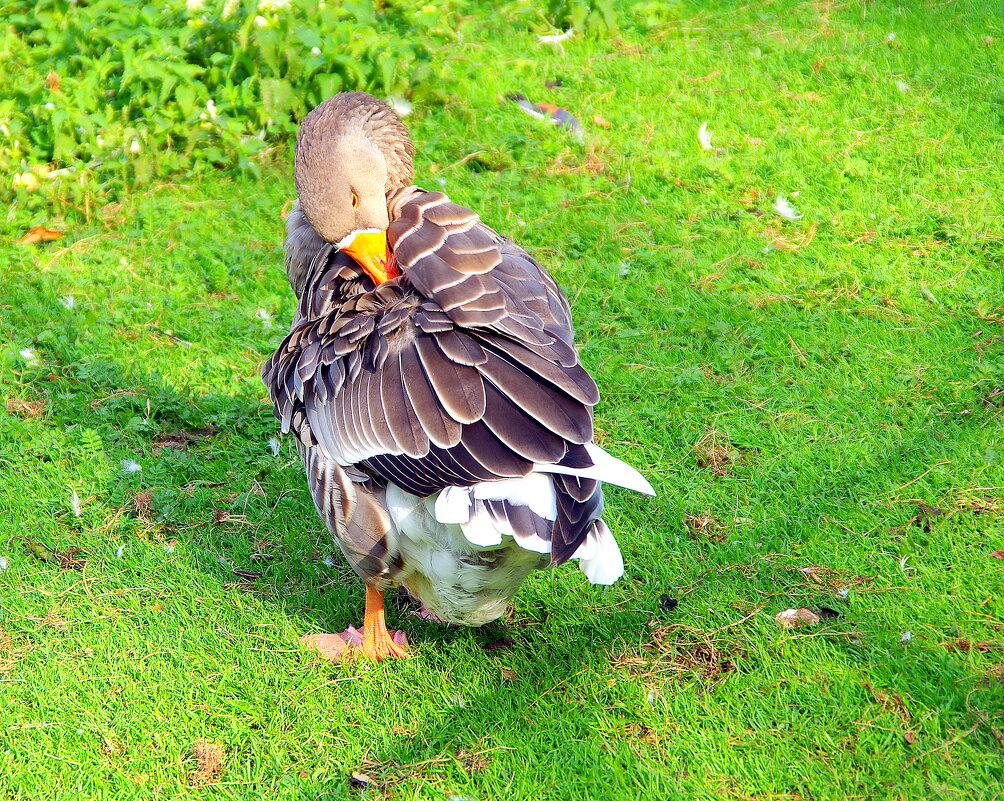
843, 382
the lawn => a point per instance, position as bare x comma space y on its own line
818, 402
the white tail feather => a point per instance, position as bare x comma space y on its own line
606, 468
599, 557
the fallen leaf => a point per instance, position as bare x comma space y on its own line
143, 502
508, 674
719, 456
793, 618
910, 737
52, 81
40, 234
998, 554
600, 122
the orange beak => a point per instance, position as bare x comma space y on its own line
370, 250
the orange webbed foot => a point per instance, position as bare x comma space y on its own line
373, 641
352, 642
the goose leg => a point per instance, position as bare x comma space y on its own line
378, 641
373, 641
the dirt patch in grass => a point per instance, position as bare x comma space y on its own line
209, 760
180, 440
19, 407
715, 451
9, 653
704, 527
681, 652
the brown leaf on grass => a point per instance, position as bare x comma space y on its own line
997, 554
247, 575
705, 526
52, 81
25, 408
911, 737
795, 618
833, 579
508, 674
600, 122
209, 758
40, 234
594, 163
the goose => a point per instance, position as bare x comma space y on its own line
430, 378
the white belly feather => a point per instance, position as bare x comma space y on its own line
465, 563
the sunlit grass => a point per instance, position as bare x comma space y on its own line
795, 389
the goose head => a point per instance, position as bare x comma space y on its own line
350, 152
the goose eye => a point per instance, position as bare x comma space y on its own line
355, 200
